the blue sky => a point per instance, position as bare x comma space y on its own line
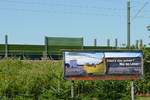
27, 22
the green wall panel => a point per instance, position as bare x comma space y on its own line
61, 41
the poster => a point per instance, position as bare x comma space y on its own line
103, 65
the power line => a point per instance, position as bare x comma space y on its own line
139, 10
64, 12
63, 5
72, 5
70, 13
138, 2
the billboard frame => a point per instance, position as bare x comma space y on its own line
106, 77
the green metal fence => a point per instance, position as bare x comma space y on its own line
63, 41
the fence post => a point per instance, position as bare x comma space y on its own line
95, 42
141, 44
72, 89
132, 90
116, 43
137, 44
108, 42
6, 46
45, 53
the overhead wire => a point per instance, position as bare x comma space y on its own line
138, 12
69, 12
64, 12
66, 5
61, 4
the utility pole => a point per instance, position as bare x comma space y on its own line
128, 41
6, 46
128, 24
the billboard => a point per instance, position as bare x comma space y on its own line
103, 65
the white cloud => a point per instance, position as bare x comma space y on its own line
122, 54
82, 59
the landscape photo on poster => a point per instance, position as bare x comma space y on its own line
102, 63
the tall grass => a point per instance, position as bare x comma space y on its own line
31, 79
43, 80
